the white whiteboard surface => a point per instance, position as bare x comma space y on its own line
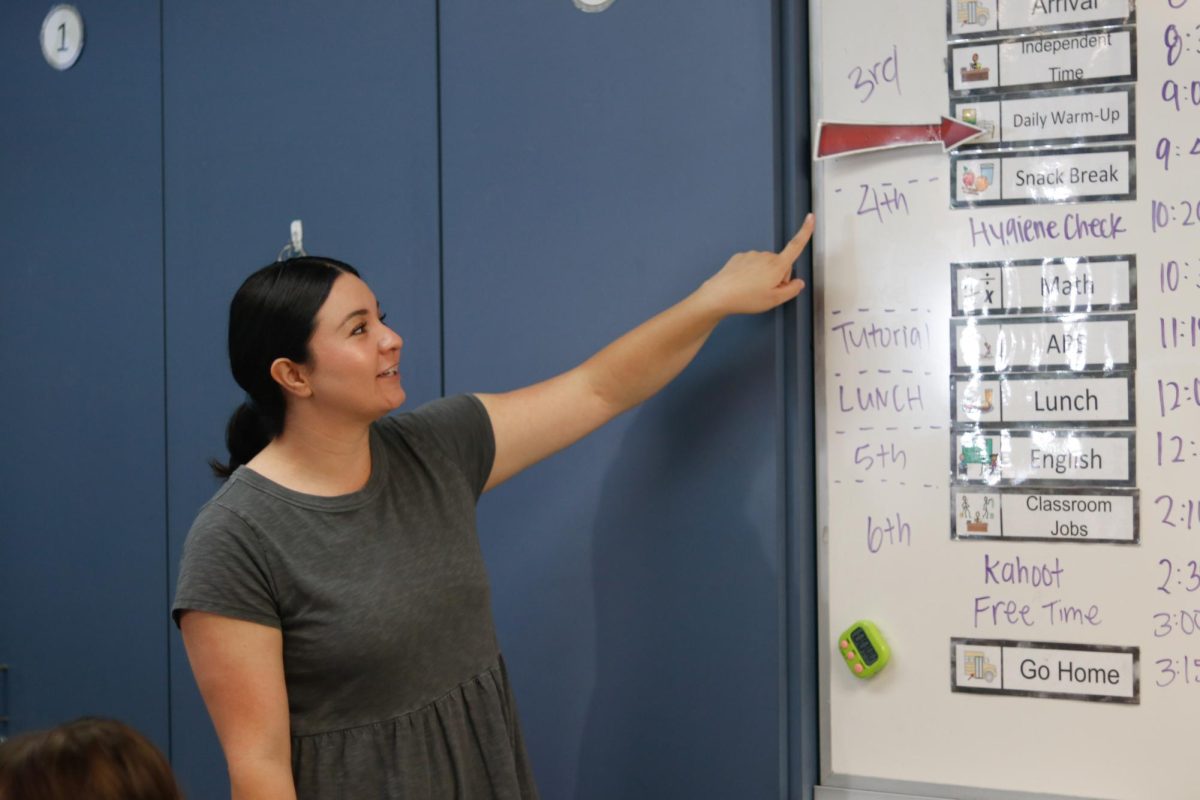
888, 460
828, 793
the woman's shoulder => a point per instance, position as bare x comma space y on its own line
225, 567
448, 425
224, 511
455, 431
437, 416
239, 510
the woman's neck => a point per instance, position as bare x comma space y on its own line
324, 460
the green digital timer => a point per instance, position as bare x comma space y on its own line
863, 649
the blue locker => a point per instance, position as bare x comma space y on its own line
83, 503
798, 403
597, 168
277, 111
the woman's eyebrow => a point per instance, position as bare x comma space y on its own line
360, 312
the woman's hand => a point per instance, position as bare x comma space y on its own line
757, 281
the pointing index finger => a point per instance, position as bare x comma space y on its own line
795, 247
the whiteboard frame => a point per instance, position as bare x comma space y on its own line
833, 785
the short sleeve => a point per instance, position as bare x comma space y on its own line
224, 571
461, 428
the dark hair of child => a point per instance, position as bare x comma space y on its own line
87, 759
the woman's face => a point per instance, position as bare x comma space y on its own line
355, 358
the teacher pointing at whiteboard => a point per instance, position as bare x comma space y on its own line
332, 594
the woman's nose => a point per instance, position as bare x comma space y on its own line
391, 341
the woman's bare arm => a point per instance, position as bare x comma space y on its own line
539, 420
239, 668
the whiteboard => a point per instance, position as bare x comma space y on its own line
1008, 399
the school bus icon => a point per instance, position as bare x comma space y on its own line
978, 667
972, 12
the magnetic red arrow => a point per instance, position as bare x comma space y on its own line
842, 138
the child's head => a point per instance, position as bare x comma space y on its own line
88, 759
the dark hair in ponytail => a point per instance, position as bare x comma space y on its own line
272, 316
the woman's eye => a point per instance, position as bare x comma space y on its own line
383, 316
360, 328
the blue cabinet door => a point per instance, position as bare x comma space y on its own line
597, 168
83, 499
273, 112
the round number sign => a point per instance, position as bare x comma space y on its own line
593, 5
62, 37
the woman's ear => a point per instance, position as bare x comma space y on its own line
291, 376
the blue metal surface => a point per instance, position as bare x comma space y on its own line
277, 111
803, 738
598, 167
82, 509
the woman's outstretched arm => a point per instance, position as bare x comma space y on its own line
539, 420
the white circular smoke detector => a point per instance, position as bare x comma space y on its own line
592, 5
62, 37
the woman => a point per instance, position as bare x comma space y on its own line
88, 759
332, 598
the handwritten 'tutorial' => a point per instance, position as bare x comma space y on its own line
857, 337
